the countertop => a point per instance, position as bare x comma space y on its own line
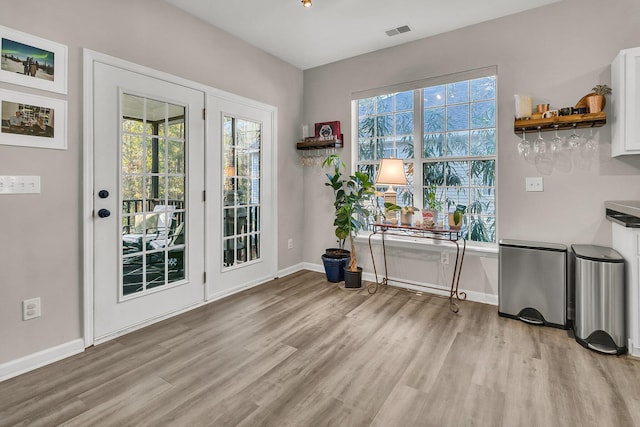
625, 213
628, 207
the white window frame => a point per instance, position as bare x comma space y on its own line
418, 160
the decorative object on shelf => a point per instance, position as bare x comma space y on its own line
327, 131
595, 101
352, 195
542, 108
524, 106
391, 173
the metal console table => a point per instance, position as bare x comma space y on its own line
453, 236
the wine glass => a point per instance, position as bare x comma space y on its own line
540, 145
524, 146
591, 146
574, 138
556, 143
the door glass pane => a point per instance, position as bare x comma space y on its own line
153, 179
241, 177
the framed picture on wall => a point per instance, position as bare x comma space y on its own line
328, 130
33, 121
31, 61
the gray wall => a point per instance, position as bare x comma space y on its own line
581, 38
40, 254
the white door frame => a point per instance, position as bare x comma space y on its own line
89, 58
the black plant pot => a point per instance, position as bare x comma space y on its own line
352, 279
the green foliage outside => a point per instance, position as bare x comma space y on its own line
453, 131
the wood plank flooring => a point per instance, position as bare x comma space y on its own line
299, 351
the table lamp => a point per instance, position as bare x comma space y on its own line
391, 173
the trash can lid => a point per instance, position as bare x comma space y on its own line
533, 245
596, 253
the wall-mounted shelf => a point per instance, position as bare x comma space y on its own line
314, 150
563, 122
318, 144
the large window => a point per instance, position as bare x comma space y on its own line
455, 124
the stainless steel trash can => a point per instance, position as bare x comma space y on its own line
532, 282
599, 298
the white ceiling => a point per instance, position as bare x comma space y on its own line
331, 30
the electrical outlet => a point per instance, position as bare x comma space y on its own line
290, 243
444, 257
31, 308
534, 183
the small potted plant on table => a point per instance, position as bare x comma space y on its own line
432, 207
456, 217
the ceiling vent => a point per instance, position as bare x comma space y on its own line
399, 30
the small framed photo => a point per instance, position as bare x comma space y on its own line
328, 130
31, 61
33, 121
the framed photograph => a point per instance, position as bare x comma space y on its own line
328, 130
31, 61
33, 121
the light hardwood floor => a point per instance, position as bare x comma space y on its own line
299, 351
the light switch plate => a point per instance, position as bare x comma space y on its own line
15, 184
534, 183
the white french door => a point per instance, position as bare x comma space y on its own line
241, 219
148, 230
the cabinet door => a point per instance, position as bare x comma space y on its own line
632, 104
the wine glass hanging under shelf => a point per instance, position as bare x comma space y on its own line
315, 150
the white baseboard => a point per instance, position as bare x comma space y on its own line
227, 292
318, 268
16, 367
417, 286
291, 270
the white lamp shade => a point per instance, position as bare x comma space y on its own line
391, 172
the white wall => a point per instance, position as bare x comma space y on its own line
581, 38
40, 251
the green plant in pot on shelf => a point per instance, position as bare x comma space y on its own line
432, 207
406, 212
352, 194
456, 217
596, 99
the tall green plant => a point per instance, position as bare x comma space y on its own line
351, 196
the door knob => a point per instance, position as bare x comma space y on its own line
104, 213
103, 194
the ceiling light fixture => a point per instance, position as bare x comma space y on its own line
306, 3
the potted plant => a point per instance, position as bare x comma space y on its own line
596, 100
455, 217
351, 211
432, 207
406, 212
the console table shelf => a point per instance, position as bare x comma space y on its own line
442, 234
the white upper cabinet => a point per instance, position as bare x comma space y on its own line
625, 101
